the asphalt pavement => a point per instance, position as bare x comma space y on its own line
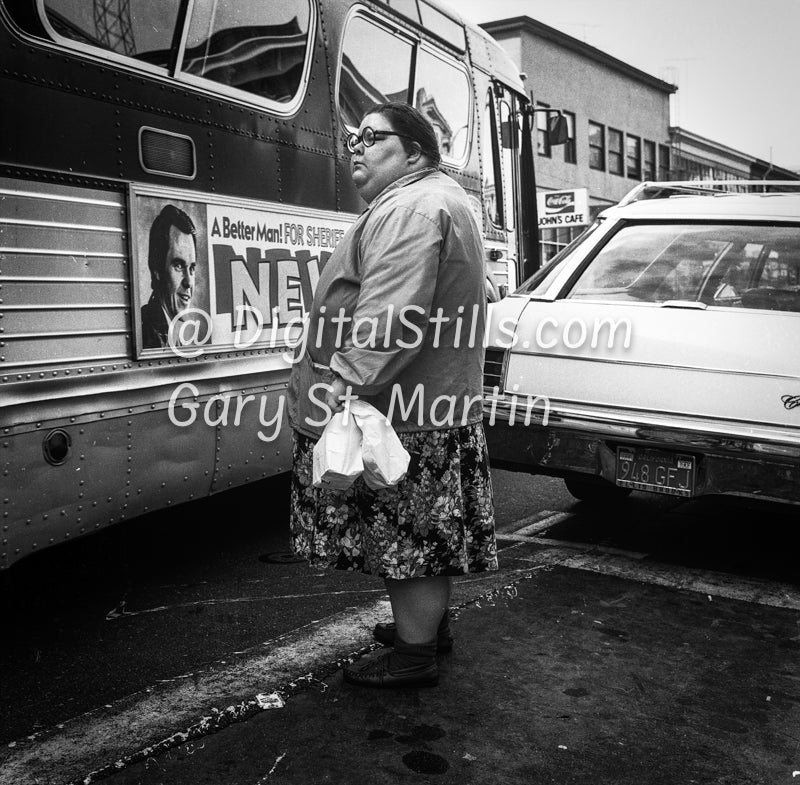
578, 667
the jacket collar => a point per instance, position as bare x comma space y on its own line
401, 183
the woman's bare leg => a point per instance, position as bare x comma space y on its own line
418, 605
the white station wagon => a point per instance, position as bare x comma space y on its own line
659, 352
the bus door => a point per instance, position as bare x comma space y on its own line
502, 191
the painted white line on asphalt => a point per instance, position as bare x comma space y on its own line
712, 584
543, 524
121, 610
588, 547
576, 546
90, 742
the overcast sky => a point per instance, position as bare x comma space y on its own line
736, 62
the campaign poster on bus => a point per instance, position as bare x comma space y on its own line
224, 275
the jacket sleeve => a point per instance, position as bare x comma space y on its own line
399, 266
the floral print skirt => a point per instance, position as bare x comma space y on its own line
438, 521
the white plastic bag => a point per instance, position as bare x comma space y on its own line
337, 455
383, 455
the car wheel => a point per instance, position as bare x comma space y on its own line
596, 490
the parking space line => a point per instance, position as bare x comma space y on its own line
712, 584
543, 524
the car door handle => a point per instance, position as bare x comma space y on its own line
684, 304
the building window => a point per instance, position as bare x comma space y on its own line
633, 145
663, 162
570, 154
554, 240
542, 143
597, 146
649, 161
616, 164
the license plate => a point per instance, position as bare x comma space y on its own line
656, 471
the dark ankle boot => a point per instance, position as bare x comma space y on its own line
385, 632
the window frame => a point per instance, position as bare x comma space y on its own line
648, 173
173, 75
613, 154
417, 45
570, 146
664, 172
496, 164
457, 163
601, 147
543, 146
633, 163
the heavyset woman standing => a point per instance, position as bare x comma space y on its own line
398, 320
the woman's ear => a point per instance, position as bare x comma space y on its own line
416, 154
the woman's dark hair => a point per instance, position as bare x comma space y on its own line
159, 238
405, 119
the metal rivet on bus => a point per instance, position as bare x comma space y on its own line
63, 512
44, 516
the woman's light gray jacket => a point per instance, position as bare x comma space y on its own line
399, 311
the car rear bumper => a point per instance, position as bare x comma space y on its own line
563, 440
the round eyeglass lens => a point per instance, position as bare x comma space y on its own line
368, 137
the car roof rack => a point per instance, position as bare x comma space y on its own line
669, 188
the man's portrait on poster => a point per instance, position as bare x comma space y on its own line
174, 272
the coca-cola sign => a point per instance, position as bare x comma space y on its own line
560, 202
563, 208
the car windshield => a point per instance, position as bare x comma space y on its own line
726, 265
540, 281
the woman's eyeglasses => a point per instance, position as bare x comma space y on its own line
369, 136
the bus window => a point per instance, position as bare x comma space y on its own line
253, 46
492, 172
509, 134
442, 25
376, 67
143, 29
443, 95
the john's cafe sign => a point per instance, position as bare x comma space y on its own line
563, 208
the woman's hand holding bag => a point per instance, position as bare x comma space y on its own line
358, 441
